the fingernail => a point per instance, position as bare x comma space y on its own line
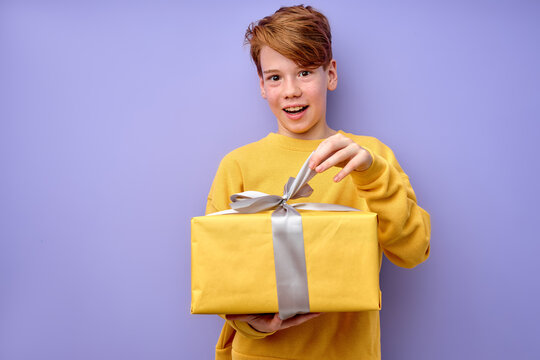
336, 178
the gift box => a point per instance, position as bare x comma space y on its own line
233, 266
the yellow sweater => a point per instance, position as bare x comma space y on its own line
404, 233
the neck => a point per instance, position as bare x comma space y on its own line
319, 131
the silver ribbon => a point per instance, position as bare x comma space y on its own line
288, 237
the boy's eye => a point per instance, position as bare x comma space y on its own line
305, 73
273, 77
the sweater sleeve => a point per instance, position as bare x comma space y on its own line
404, 227
228, 181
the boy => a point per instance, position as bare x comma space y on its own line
293, 54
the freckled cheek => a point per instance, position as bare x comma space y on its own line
272, 97
315, 91
273, 102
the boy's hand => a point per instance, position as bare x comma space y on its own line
339, 150
272, 322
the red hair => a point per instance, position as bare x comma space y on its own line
301, 34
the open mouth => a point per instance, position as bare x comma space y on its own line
295, 109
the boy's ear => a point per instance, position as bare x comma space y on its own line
261, 84
331, 71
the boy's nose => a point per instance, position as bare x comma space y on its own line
291, 89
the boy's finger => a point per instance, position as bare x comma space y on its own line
327, 148
340, 156
298, 319
357, 161
276, 321
323, 152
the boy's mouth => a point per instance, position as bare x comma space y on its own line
295, 109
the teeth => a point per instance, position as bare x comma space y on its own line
294, 108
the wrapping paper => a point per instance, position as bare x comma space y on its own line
233, 271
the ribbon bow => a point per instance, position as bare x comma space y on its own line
288, 237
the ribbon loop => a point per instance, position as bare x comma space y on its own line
304, 191
254, 205
287, 187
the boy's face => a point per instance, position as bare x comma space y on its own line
296, 95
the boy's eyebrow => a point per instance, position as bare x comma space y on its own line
305, 67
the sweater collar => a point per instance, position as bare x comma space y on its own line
290, 143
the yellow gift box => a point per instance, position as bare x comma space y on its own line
233, 272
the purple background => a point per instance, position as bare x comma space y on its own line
115, 115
